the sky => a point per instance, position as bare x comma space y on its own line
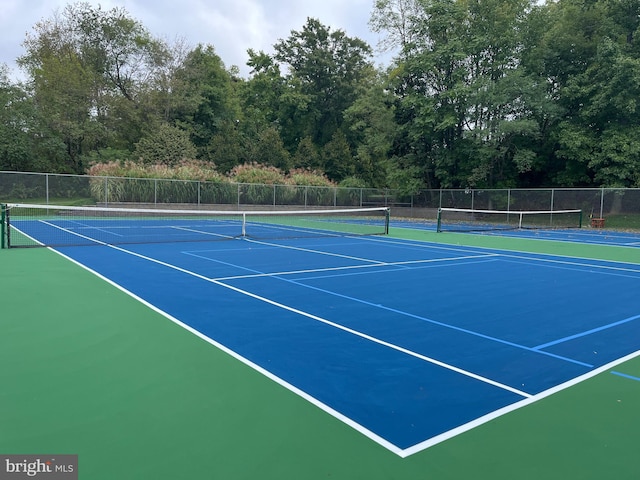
231, 26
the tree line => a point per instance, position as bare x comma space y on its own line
480, 93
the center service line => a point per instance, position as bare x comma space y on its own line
332, 324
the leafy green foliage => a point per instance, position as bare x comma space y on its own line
268, 149
88, 69
166, 145
326, 68
207, 103
307, 155
26, 143
339, 162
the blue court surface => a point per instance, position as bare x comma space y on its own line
408, 342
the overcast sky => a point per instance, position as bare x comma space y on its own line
231, 26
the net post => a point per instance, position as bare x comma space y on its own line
244, 224
3, 217
387, 220
438, 226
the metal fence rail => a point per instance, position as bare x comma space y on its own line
51, 188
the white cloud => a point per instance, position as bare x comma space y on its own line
231, 26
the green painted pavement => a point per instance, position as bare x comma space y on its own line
567, 249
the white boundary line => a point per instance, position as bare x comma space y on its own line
500, 251
349, 267
515, 406
319, 252
80, 225
532, 260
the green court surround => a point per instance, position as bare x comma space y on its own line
88, 370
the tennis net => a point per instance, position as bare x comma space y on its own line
468, 220
27, 225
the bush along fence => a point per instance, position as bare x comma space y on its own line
621, 206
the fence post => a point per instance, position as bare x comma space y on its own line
46, 188
3, 214
602, 203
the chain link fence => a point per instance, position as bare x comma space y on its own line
621, 207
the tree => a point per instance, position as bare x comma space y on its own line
602, 135
263, 94
371, 128
25, 143
337, 158
395, 18
325, 67
88, 69
431, 84
593, 60
165, 145
269, 150
207, 99
228, 148
461, 94
307, 155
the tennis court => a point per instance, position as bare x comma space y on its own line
406, 344
592, 236
595, 236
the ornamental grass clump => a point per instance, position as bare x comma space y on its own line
310, 178
256, 173
197, 181
139, 183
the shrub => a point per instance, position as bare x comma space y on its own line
353, 182
309, 178
165, 145
256, 173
